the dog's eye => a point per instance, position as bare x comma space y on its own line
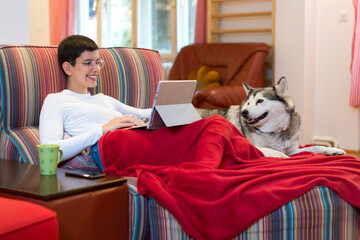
259, 101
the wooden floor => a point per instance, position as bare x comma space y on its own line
353, 153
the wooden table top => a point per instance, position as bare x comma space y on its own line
25, 180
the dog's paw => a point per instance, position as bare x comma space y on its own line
330, 151
268, 152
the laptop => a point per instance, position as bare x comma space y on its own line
172, 105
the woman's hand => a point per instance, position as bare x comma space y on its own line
122, 122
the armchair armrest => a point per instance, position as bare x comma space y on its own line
221, 97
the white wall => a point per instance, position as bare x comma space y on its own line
14, 22
308, 94
334, 117
24, 22
313, 50
290, 53
39, 22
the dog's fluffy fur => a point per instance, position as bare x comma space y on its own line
269, 120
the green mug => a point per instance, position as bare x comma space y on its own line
49, 158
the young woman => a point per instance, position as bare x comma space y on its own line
74, 111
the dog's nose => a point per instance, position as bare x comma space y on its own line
245, 113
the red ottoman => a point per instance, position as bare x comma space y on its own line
25, 220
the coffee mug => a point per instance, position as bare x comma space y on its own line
49, 158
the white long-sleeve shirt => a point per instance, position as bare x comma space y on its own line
81, 116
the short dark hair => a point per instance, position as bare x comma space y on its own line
71, 47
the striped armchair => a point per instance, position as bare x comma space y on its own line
29, 73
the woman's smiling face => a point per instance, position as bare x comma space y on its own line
84, 73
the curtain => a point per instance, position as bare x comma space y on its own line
355, 62
200, 23
62, 13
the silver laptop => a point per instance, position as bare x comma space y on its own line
172, 104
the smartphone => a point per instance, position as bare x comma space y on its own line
84, 174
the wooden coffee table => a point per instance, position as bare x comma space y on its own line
86, 209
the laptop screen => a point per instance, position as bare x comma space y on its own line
172, 105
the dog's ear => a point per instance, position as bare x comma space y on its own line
281, 88
247, 88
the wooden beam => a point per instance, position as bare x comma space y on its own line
212, 22
248, 14
251, 30
98, 22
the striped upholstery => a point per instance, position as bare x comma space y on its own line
29, 73
130, 75
138, 213
318, 214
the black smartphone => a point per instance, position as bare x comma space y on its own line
84, 174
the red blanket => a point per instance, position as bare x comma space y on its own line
213, 181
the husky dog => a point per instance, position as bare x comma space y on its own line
269, 120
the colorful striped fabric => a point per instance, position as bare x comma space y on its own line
130, 75
318, 214
138, 213
29, 73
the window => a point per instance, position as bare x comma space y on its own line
164, 25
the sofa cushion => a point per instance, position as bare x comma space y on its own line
25, 220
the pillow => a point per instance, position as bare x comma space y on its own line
82, 161
206, 77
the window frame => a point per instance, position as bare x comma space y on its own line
173, 31
134, 27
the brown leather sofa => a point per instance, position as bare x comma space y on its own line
235, 62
